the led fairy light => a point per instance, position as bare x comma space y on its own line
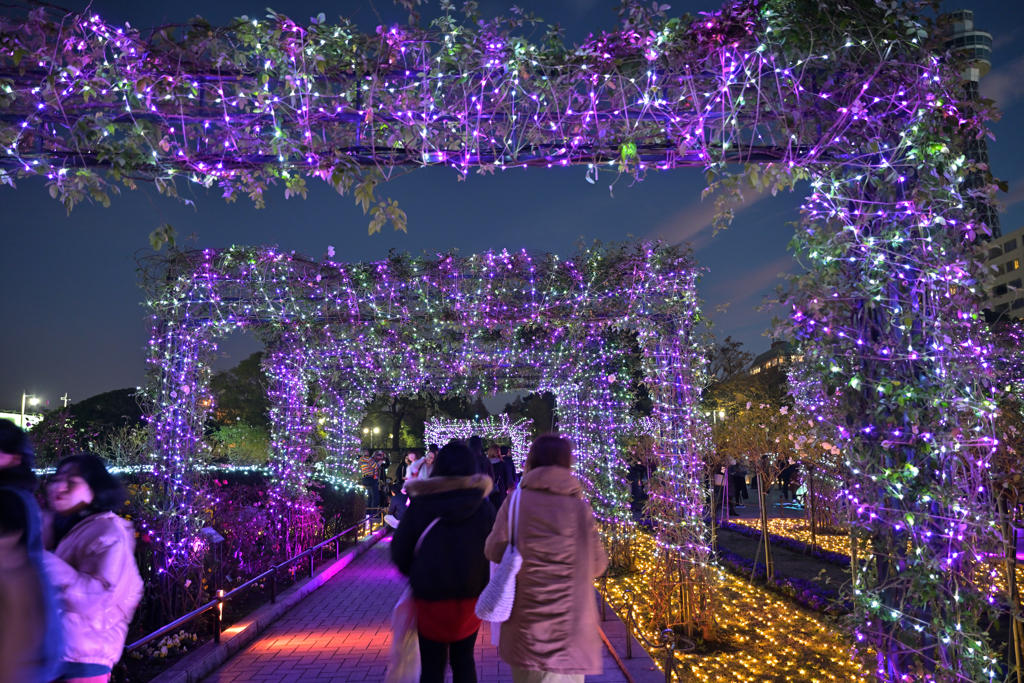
771, 639
865, 109
440, 431
338, 333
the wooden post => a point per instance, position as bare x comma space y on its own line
810, 506
604, 594
1016, 655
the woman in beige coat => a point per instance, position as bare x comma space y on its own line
552, 635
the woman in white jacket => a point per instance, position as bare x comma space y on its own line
92, 568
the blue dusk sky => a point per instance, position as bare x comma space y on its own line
73, 315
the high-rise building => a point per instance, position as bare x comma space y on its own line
962, 36
1006, 254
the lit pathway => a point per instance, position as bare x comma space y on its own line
342, 632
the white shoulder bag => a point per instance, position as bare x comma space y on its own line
495, 603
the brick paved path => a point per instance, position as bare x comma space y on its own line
342, 633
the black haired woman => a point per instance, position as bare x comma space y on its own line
449, 518
93, 566
30, 633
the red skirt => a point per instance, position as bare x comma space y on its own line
447, 621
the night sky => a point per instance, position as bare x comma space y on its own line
73, 319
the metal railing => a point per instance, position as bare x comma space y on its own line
217, 604
671, 641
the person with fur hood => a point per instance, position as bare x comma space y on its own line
552, 634
93, 566
439, 545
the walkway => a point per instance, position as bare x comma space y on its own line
342, 633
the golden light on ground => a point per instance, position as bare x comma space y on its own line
763, 639
797, 528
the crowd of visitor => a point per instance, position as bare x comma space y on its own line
730, 485
386, 491
453, 528
69, 584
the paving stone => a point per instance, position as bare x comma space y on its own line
341, 633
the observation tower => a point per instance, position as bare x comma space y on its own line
963, 37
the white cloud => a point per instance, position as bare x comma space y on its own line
693, 223
1005, 38
1015, 195
1005, 85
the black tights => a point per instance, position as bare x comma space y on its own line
434, 659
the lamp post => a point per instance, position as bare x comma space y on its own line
376, 431
32, 401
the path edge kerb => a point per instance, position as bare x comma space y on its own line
641, 668
204, 661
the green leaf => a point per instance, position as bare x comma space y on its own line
364, 193
165, 234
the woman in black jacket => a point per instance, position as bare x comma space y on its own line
449, 571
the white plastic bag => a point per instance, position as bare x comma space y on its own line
404, 665
495, 633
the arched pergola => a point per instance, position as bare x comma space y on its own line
861, 98
586, 328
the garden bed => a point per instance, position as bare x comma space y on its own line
793, 534
762, 636
805, 592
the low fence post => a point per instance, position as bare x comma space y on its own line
273, 587
218, 615
668, 638
629, 624
337, 548
604, 596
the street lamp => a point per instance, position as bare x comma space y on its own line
32, 401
